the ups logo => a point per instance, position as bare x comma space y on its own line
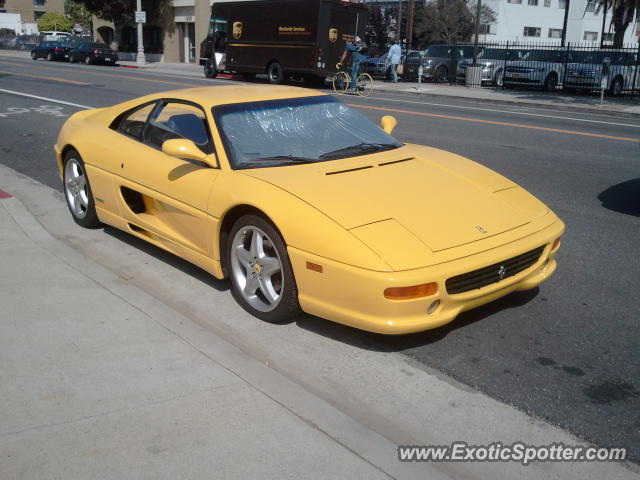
333, 34
237, 30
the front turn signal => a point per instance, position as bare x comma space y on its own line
556, 244
408, 293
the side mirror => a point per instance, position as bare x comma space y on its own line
186, 149
388, 123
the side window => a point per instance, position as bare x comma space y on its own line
179, 120
133, 123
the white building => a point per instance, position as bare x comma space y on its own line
542, 20
13, 21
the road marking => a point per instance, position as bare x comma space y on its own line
55, 79
502, 124
167, 82
14, 64
11, 92
4, 194
42, 109
493, 110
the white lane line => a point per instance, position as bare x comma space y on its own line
11, 92
585, 120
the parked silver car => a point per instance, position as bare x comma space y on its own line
536, 68
492, 61
587, 72
440, 62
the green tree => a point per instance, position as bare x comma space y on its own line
622, 14
121, 12
78, 12
448, 21
54, 21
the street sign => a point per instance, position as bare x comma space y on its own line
141, 17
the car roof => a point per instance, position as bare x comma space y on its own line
225, 94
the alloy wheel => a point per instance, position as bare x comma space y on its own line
257, 268
75, 188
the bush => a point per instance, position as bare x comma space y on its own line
54, 21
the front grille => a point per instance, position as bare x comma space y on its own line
493, 273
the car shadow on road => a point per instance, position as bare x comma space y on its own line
396, 343
623, 197
168, 258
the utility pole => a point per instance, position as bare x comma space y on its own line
566, 19
477, 33
140, 20
400, 23
604, 21
410, 24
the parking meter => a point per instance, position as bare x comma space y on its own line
604, 83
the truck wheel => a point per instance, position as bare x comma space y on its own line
275, 73
209, 70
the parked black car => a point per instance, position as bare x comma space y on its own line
90, 53
51, 51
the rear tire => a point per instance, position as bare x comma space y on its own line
50, 57
77, 191
275, 73
498, 78
87, 60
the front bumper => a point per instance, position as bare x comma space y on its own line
354, 296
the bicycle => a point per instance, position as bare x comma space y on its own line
342, 79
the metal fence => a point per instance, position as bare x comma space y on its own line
550, 67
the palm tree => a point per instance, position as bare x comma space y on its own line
622, 14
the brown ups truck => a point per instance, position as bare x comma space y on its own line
282, 38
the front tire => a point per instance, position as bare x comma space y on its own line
616, 87
441, 75
551, 82
275, 73
77, 191
210, 70
34, 56
260, 272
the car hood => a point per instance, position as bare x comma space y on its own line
440, 199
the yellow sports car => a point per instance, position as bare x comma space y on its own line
305, 205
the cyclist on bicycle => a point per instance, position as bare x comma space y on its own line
358, 50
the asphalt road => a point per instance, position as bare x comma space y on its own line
566, 352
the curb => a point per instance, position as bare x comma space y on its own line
518, 103
129, 66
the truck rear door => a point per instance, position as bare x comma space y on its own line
339, 23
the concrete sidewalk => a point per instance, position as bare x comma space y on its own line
99, 380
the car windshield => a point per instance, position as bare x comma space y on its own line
297, 130
492, 53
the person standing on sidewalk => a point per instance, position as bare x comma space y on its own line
393, 57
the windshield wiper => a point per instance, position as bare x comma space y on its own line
361, 148
285, 158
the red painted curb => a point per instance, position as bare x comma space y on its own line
128, 66
4, 194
